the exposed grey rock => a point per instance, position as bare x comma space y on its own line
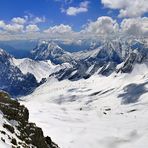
29, 133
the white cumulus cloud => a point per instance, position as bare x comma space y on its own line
128, 8
32, 28
13, 28
102, 26
19, 20
2, 24
37, 20
83, 7
137, 27
59, 29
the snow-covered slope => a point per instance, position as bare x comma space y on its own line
40, 69
99, 112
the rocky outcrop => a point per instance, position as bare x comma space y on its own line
12, 80
133, 58
26, 135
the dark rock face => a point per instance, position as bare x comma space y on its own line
50, 50
29, 133
128, 65
8, 127
104, 59
12, 80
132, 59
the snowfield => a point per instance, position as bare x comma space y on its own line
40, 69
99, 112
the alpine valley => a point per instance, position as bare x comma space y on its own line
93, 98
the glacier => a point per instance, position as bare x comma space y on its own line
98, 112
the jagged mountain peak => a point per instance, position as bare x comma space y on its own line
47, 45
12, 79
1, 51
105, 58
3, 54
49, 50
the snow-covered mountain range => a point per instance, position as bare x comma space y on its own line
96, 97
102, 59
22, 76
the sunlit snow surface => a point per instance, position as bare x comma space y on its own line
100, 112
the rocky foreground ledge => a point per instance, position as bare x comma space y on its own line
15, 129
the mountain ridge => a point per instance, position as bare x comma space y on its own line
24, 75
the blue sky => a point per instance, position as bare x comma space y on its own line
51, 9
34, 16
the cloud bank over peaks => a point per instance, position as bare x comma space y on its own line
59, 29
103, 27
